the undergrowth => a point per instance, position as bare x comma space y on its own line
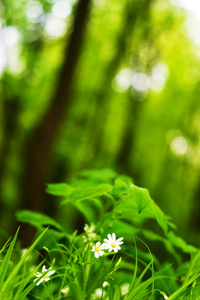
127, 247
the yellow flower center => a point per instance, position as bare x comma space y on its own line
45, 276
113, 245
97, 249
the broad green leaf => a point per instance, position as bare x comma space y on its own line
59, 189
37, 219
92, 209
141, 196
80, 194
120, 187
180, 243
155, 212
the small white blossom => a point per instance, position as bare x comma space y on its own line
98, 249
124, 288
90, 228
113, 244
65, 290
44, 274
24, 250
89, 234
105, 283
97, 294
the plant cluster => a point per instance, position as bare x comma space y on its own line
114, 256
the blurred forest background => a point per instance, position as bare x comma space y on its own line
92, 84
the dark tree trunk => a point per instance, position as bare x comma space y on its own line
38, 151
133, 11
124, 157
102, 97
10, 128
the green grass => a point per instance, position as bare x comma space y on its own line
127, 269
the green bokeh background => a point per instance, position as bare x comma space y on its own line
132, 102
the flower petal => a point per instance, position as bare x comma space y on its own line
120, 239
40, 281
44, 268
107, 241
51, 273
114, 237
109, 236
119, 243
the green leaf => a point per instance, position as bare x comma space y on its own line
6, 260
10, 281
76, 291
154, 211
116, 267
59, 189
120, 187
99, 175
80, 194
141, 196
180, 243
25, 286
37, 219
135, 293
117, 293
92, 209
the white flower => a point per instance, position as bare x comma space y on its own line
89, 234
90, 228
112, 244
65, 291
105, 283
97, 294
44, 274
98, 249
24, 250
125, 288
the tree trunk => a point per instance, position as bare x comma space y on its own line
38, 150
102, 97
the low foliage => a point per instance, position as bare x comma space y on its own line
120, 253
